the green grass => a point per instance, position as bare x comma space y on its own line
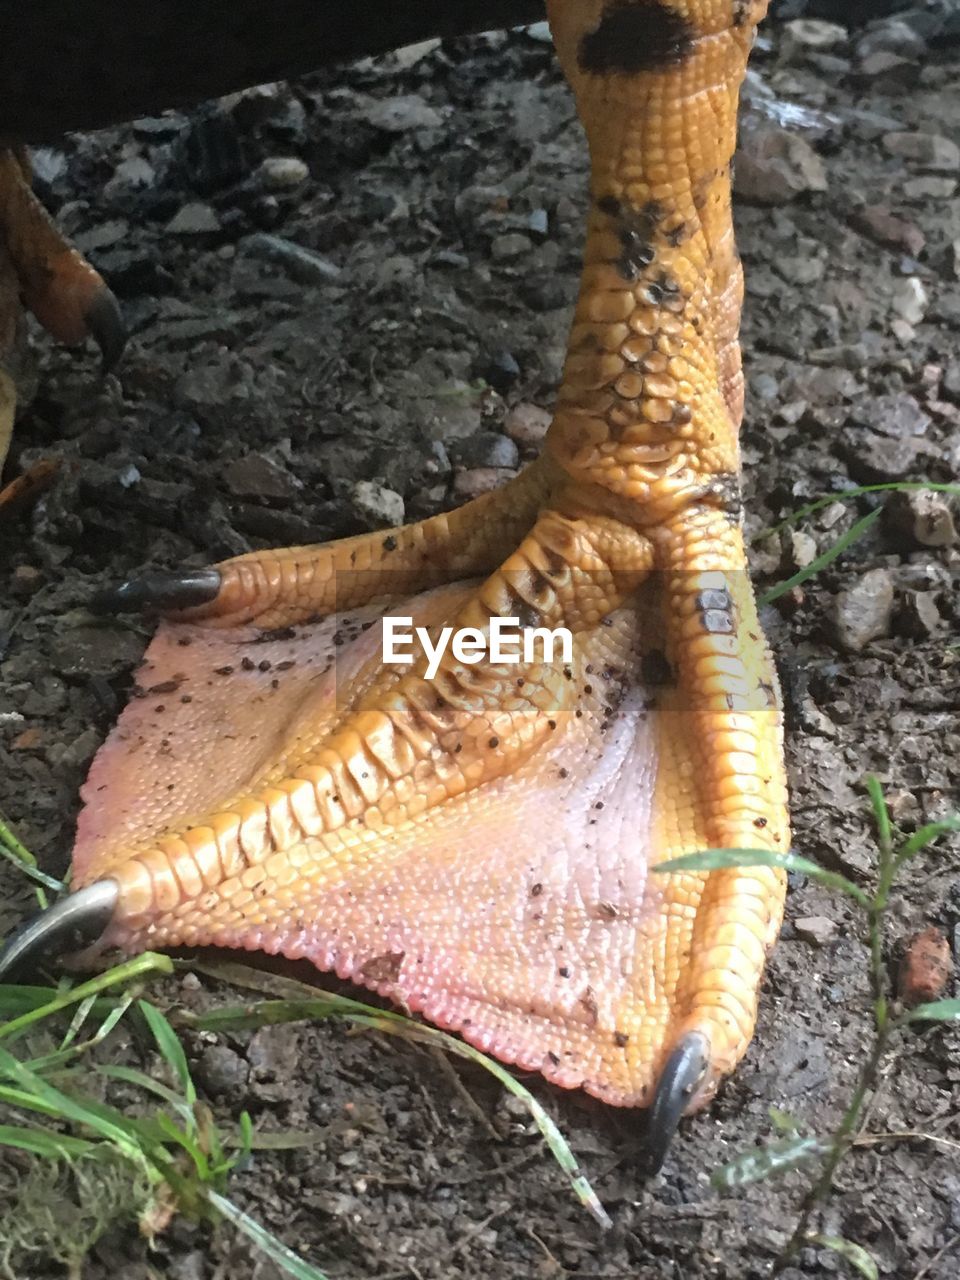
793, 1149
93, 1163
847, 539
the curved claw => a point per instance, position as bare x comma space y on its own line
104, 319
172, 590
682, 1074
70, 924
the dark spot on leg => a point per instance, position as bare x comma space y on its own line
635, 36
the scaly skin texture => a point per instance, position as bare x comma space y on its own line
479, 846
41, 271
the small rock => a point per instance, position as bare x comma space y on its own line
803, 548
257, 476
479, 480
76, 755
873, 458
903, 805
928, 150
191, 1266
501, 371
538, 223
376, 504
815, 929
812, 33
300, 264
926, 968
898, 415
774, 166
951, 380
102, 235
222, 1072
485, 449
864, 612
133, 174
894, 70
527, 424
194, 219
509, 246
47, 165
892, 36
398, 115
877, 222
918, 616
910, 300
929, 187
282, 173
924, 515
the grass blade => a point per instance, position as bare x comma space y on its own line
44, 1142
852, 535
767, 1162
859, 491
149, 962
327, 1005
170, 1047
937, 1011
21, 857
926, 836
266, 1242
720, 859
855, 1254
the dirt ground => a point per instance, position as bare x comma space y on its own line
441, 211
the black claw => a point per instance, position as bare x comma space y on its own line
183, 590
104, 319
70, 924
683, 1073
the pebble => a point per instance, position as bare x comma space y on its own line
485, 449
897, 415
918, 616
926, 968
873, 458
864, 611
399, 114
924, 515
928, 150
194, 219
891, 68
257, 476
528, 424
501, 371
803, 548
282, 173
376, 504
815, 929
811, 33
877, 222
300, 264
479, 480
511, 245
133, 174
910, 300
774, 166
892, 37
222, 1072
929, 187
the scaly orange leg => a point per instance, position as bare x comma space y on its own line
478, 841
40, 270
